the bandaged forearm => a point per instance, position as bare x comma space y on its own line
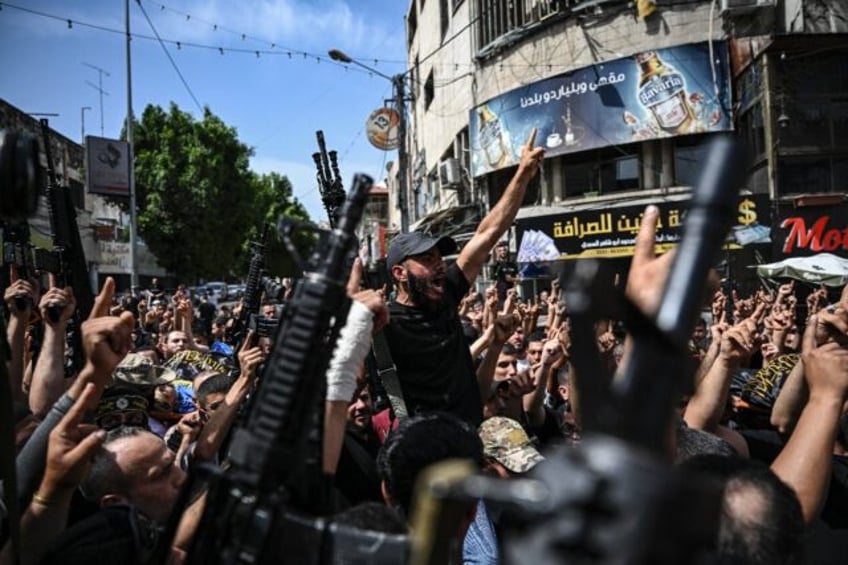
351, 349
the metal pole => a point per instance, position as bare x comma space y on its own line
99, 89
131, 159
403, 177
82, 122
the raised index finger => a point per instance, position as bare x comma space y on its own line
355, 279
531, 141
647, 236
104, 300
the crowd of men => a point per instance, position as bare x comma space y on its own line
485, 375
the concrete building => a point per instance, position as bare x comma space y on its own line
626, 98
102, 226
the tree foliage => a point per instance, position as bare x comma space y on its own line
198, 202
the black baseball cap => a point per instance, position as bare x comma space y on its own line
413, 243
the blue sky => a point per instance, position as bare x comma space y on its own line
275, 101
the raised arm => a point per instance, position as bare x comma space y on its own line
805, 462
211, 437
19, 293
534, 407
501, 330
48, 378
706, 406
473, 256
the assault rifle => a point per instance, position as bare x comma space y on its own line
70, 269
18, 251
329, 180
268, 504
251, 301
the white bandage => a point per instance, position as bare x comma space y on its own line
351, 349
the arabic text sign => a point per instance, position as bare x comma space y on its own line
107, 166
807, 231
651, 95
611, 232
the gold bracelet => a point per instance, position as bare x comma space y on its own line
42, 500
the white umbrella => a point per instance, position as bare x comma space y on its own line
824, 268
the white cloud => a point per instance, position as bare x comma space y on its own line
302, 25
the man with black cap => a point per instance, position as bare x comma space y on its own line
434, 365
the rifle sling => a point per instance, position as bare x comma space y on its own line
387, 373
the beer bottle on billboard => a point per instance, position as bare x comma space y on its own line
663, 91
492, 138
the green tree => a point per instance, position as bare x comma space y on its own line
198, 202
276, 200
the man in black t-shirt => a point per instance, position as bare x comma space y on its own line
434, 364
504, 271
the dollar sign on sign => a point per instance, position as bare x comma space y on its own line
747, 212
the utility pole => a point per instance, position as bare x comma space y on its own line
399, 94
131, 157
403, 178
82, 122
99, 88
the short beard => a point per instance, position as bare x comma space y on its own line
418, 293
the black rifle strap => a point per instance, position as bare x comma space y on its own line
362, 458
387, 373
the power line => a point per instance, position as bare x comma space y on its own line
71, 22
246, 36
171, 59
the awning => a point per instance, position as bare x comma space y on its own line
458, 222
824, 268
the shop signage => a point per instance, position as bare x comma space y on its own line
611, 232
807, 231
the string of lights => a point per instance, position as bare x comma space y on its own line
171, 59
270, 48
245, 36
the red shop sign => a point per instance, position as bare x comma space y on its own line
819, 236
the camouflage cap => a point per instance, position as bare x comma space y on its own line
138, 370
505, 441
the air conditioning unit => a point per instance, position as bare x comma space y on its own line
450, 174
745, 6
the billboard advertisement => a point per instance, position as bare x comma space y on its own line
661, 93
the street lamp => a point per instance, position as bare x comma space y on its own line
400, 105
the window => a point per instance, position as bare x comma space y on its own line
689, 156
812, 173
752, 132
496, 18
429, 91
612, 169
